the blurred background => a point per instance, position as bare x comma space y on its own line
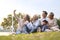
30, 7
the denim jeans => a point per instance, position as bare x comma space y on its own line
22, 31
44, 27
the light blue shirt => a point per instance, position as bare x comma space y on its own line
34, 25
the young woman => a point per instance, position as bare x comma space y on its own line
53, 22
21, 23
35, 24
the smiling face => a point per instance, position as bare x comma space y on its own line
44, 22
51, 15
44, 14
35, 17
26, 17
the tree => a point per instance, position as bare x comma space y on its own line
58, 21
7, 22
39, 16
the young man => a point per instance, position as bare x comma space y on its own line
44, 16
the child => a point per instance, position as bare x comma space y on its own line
44, 25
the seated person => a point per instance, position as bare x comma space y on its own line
44, 25
44, 16
21, 23
53, 22
35, 23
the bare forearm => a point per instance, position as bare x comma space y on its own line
15, 15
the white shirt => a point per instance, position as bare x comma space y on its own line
34, 25
53, 22
21, 24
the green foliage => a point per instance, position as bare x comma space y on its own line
39, 16
58, 21
7, 22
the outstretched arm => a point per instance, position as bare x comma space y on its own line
16, 15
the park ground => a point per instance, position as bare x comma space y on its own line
33, 36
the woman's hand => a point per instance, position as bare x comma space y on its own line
14, 11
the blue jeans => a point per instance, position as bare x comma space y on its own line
22, 31
33, 30
44, 27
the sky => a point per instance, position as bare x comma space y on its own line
29, 7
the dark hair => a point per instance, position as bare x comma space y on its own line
45, 12
45, 21
28, 17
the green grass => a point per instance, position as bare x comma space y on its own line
34, 36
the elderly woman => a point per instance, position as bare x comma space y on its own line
53, 22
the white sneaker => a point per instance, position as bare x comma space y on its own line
48, 30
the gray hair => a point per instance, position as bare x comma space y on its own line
51, 13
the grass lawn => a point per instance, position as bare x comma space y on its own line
34, 36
